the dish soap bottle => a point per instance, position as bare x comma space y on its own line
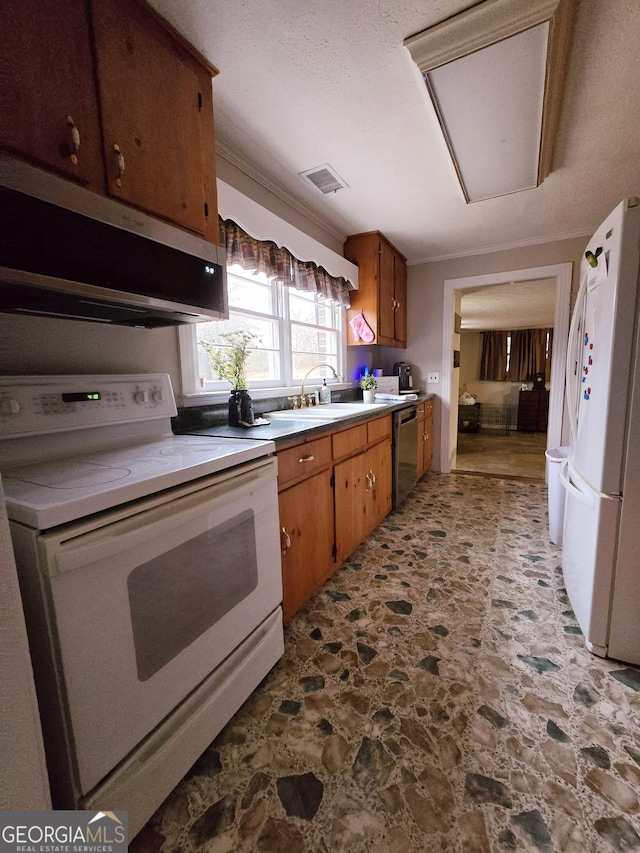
324, 393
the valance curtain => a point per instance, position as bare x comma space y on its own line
279, 264
528, 355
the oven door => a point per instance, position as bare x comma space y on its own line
144, 607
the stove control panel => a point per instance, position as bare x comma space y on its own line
36, 405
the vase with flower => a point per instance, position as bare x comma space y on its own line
229, 360
368, 384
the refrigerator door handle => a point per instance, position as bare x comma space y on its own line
574, 363
565, 480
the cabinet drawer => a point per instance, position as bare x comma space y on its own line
425, 409
302, 460
379, 429
346, 442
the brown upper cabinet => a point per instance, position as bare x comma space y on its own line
382, 293
47, 88
109, 94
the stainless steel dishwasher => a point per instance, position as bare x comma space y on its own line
405, 452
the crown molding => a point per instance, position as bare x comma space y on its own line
503, 247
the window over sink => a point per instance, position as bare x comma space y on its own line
284, 286
294, 331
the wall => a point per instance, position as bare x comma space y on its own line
37, 345
425, 297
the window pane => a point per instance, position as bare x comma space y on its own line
305, 308
308, 339
294, 332
249, 292
264, 361
303, 362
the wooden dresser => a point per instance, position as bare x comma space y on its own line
533, 411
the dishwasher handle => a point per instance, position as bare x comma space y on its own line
407, 415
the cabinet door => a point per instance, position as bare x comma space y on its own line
351, 503
400, 306
386, 294
427, 443
150, 96
421, 442
425, 437
379, 485
362, 250
307, 538
47, 88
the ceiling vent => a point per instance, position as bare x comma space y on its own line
325, 179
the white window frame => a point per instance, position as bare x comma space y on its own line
192, 395
263, 225
279, 313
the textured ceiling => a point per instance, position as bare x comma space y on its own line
520, 305
303, 84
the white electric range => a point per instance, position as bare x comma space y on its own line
149, 566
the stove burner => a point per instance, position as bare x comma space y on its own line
68, 475
191, 448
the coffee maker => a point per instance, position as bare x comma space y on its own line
402, 370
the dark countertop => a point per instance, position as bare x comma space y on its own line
291, 430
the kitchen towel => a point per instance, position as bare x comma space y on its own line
393, 397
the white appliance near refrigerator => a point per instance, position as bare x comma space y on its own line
601, 476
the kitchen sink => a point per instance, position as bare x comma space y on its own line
327, 412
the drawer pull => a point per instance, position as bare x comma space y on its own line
75, 140
117, 150
309, 458
285, 540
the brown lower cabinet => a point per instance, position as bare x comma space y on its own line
333, 491
425, 437
306, 533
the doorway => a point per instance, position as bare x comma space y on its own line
454, 289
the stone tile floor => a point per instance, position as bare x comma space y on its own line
516, 454
435, 695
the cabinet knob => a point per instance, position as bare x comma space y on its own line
75, 140
117, 150
285, 539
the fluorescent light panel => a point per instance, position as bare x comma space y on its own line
495, 73
490, 108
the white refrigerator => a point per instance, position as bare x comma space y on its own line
601, 476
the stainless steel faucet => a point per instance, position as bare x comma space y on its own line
303, 402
